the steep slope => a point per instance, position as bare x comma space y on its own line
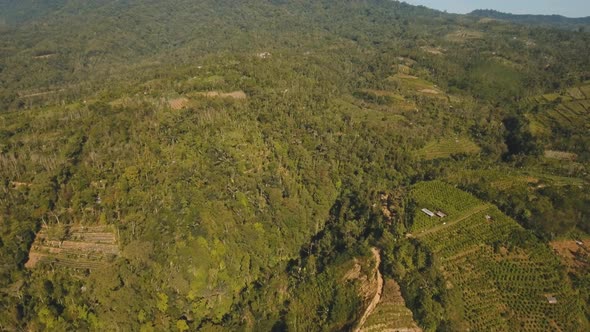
505, 278
391, 313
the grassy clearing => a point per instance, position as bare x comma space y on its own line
551, 97
447, 147
503, 282
413, 82
556, 180
492, 78
585, 89
575, 93
537, 127
507, 182
386, 98
383, 93
433, 50
463, 35
560, 155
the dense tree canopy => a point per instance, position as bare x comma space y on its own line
238, 153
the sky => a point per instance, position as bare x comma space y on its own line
569, 8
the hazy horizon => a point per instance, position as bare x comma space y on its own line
570, 8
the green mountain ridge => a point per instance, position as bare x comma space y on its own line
547, 20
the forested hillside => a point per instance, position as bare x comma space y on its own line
221, 165
579, 23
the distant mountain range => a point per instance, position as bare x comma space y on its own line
549, 20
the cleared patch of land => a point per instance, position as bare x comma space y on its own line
417, 85
560, 155
575, 254
461, 36
511, 181
80, 247
178, 103
217, 94
433, 50
431, 91
447, 147
17, 184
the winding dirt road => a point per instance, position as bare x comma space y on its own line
378, 293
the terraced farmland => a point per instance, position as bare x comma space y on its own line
418, 85
391, 314
78, 247
504, 286
564, 112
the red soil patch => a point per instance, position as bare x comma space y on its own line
573, 254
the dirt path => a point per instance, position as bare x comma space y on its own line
36, 94
471, 212
378, 293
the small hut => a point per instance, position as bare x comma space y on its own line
441, 214
428, 212
551, 299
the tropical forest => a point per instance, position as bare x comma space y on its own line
292, 165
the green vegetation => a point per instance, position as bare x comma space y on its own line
222, 165
496, 274
448, 147
391, 313
559, 21
561, 120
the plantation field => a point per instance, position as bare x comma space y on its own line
503, 179
503, 273
438, 196
447, 147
